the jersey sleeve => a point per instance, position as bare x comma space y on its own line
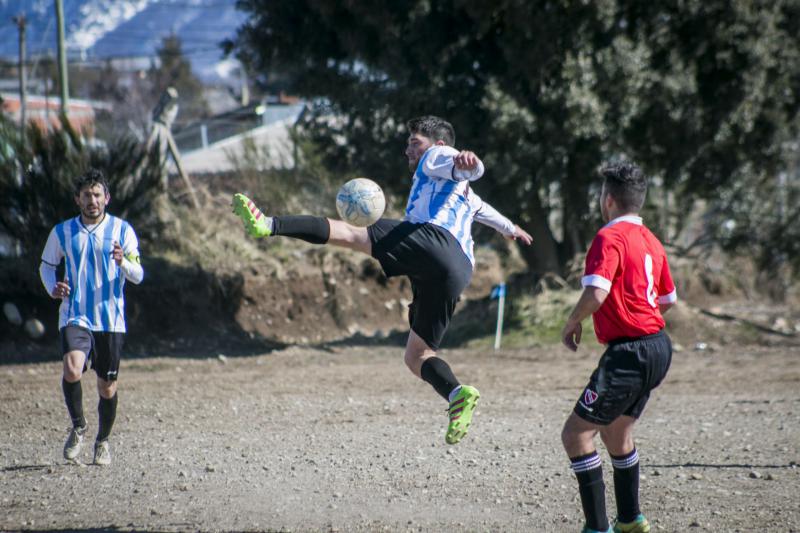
131, 261
489, 216
440, 164
52, 253
51, 257
602, 263
667, 294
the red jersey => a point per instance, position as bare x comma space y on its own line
629, 262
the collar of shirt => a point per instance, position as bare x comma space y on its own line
633, 219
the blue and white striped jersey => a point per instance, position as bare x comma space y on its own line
441, 194
96, 299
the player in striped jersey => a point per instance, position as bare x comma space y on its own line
100, 253
432, 246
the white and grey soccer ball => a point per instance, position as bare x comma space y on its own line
360, 202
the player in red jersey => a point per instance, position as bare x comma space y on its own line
627, 288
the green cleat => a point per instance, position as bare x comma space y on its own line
256, 224
639, 525
460, 412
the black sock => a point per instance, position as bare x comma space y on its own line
315, 230
438, 373
589, 471
107, 411
73, 397
626, 485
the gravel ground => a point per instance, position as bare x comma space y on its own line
345, 439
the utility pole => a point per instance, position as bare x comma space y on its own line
23, 82
63, 77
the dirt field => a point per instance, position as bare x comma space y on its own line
345, 439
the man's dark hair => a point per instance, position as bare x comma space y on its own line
90, 178
434, 128
626, 183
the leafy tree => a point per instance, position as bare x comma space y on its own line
701, 93
174, 70
37, 176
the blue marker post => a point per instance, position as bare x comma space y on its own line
499, 292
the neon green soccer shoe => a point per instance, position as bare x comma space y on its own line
639, 525
256, 224
460, 412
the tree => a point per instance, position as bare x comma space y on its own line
174, 70
699, 93
37, 177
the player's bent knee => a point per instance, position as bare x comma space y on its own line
567, 437
414, 360
72, 372
107, 389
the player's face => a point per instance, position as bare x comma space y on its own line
417, 144
92, 202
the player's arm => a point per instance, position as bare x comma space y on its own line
591, 300
445, 162
668, 295
601, 264
51, 257
127, 257
489, 216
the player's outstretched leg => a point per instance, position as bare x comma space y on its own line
462, 405
256, 224
312, 229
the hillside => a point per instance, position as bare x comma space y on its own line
209, 290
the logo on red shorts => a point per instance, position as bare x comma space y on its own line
589, 397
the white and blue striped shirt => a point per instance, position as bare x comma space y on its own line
441, 195
96, 299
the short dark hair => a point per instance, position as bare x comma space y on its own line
626, 183
90, 178
434, 128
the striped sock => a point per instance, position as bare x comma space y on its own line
626, 485
589, 471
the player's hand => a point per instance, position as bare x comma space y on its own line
466, 160
571, 335
521, 235
117, 253
61, 290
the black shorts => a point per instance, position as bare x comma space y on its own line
436, 265
627, 372
102, 349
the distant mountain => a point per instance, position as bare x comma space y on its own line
100, 29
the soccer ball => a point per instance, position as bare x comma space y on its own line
360, 202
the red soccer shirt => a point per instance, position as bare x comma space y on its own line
629, 262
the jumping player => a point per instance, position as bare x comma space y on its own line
101, 252
432, 246
627, 288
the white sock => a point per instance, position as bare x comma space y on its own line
453, 393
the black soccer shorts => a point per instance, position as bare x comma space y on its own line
436, 265
626, 373
103, 349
